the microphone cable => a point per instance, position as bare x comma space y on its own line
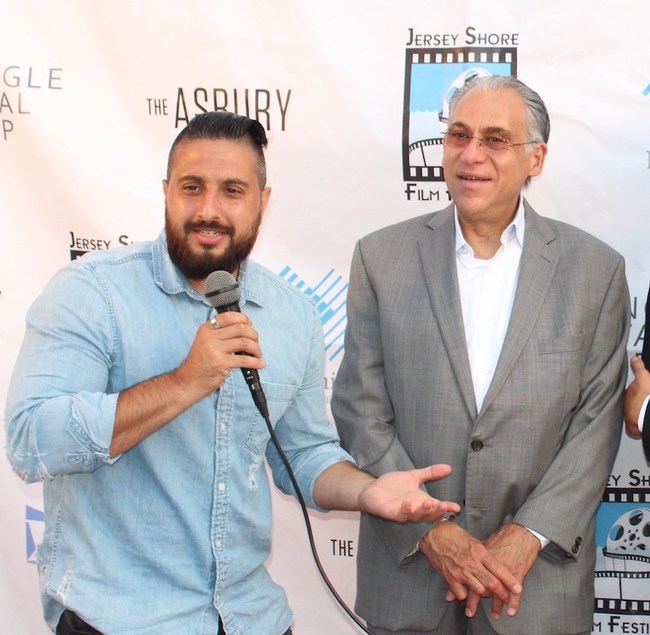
310, 534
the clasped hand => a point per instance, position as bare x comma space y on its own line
495, 567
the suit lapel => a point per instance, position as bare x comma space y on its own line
436, 247
538, 264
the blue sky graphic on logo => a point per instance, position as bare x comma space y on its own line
646, 90
34, 524
329, 293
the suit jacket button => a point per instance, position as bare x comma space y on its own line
574, 549
477, 445
579, 540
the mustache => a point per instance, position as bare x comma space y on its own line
213, 225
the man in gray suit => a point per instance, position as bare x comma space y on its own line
493, 339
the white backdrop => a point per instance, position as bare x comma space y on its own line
93, 93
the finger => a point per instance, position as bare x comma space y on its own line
232, 317
487, 586
439, 511
637, 365
513, 604
471, 606
497, 608
504, 577
457, 590
429, 511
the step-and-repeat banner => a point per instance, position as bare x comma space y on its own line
352, 95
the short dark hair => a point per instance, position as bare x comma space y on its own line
225, 125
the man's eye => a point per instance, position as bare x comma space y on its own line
497, 141
460, 135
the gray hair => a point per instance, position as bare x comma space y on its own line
537, 119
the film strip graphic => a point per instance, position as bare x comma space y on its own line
626, 495
437, 72
329, 294
623, 578
622, 607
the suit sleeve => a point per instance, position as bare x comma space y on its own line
563, 504
361, 405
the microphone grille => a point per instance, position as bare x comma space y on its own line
221, 289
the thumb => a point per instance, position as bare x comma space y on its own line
433, 472
637, 365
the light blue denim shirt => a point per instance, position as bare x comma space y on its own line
160, 538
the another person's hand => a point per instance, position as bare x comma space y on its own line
399, 496
635, 395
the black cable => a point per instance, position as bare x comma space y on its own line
310, 534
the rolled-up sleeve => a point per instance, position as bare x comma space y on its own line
308, 439
60, 411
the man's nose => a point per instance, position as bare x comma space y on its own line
211, 206
475, 149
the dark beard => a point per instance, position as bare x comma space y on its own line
198, 266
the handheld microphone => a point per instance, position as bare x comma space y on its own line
222, 291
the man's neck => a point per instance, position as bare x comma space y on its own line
484, 235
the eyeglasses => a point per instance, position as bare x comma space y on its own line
494, 143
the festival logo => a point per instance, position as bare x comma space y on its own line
432, 76
622, 576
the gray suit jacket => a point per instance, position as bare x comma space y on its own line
540, 450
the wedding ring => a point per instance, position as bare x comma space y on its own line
214, 323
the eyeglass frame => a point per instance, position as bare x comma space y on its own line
484, 141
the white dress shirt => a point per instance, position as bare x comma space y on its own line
487, 292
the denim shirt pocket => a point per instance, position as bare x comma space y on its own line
278, 398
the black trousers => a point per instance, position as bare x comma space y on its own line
222, 632
71, 624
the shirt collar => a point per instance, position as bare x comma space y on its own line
172, 281
515, 229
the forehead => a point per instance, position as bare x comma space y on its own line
491, 110
215, 157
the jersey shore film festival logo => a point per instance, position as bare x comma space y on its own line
437, 64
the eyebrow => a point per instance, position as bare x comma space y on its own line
229, 181
487, 130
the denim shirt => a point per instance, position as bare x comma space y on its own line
161, 538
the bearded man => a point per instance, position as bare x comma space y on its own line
157, 504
